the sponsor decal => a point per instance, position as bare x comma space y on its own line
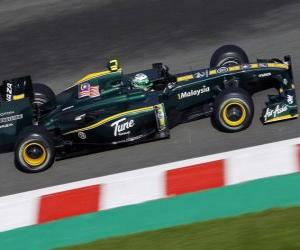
11, 118
8, 92
184, 78
246, 66
122, 126
84, 90
7, 113
264, 75
82, 135
222, 70
263, 65
161, 118
6, 125
273, 113
290, 99
201, 74
192, 92
128, 139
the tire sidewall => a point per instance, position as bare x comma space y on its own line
234, 95
232, 56
43, 95
226, 52
34, 137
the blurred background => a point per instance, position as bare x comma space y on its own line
58, 41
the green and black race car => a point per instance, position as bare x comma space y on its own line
109, 108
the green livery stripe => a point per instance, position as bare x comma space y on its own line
110, 118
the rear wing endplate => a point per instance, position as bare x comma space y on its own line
15, 109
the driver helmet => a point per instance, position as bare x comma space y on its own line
141, 81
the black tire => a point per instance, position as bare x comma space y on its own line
34, 150
228, 55
233, 110
43, 95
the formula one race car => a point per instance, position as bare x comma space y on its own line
110, 108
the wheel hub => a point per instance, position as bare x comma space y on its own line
234, 114
34, 151
34, 154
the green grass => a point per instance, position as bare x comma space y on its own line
273, 229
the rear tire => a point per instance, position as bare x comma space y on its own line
43, 95
34, 150
228, 55
233, 110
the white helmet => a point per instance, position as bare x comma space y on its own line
141, 81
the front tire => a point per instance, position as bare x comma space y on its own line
228, 55
34, 150
233, 110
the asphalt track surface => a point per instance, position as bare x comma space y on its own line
59, 41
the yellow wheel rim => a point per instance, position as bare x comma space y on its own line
34, 161
226, 117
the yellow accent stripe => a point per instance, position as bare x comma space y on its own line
184, 78
213, 72
278, 65
18, 97
234, 68
285, 117
94, 75
110, 118
252, 66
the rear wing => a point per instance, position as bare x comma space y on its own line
16, 89
16, 112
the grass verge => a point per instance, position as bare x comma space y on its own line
273, 229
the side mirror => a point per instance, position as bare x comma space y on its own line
167, 91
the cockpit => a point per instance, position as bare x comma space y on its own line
152, 79
112, 80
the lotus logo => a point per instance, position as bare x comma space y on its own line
82, 135
222, 70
